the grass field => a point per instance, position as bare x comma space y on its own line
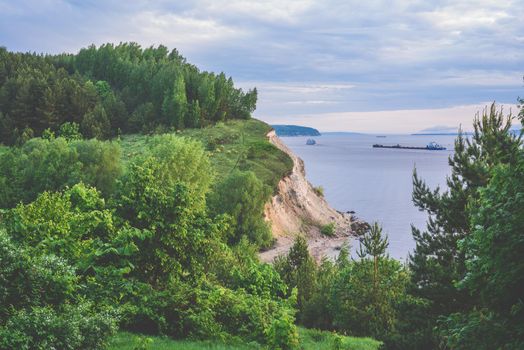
309, 340
236, 144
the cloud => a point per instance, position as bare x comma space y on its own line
307, 57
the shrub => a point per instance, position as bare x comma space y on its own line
205, 311
283, 333
53, 164
27, 281
319, 190
243, 196
328, 230
70, 131
72, 327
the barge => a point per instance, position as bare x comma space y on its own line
432, 146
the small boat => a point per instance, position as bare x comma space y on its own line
381, 136
432, 146
310, 142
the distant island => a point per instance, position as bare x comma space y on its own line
295, 130
438, 130
441, 130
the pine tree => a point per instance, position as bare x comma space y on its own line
437, 263
374, 244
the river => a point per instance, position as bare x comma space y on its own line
375, 183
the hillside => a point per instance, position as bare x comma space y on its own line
232, 145
294, 207
136, 194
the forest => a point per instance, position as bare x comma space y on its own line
132, 190
111, 90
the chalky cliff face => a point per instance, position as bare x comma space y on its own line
297, 208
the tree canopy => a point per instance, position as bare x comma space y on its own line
112, 89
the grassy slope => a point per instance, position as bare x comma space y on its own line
309, 340
236, 144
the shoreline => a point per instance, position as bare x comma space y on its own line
298, 209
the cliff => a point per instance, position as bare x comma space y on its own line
297, 208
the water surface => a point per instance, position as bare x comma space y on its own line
375, 183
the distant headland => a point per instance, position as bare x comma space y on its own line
295, 130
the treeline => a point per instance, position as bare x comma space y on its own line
111, 89
462, 287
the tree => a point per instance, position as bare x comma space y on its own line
163, 194
374, 244
437, 263
114, 87
364, 304
243, 196
298, 269
494, 266
182, 160
70, 131
95, 123
53, 164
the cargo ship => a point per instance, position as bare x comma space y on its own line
432, 146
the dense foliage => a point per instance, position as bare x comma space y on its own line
111, 89
55, 163
359, 297
494, 266
146, 255
243, 197
459, 245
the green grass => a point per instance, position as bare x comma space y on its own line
236, 144
310, 339
131, 341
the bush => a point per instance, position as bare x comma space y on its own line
319, 190
70, 131
73, 327
52, 165
328, 230
38, 309
243, 196
283, 333
204, 311
26, 280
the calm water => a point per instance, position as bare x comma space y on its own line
375, 183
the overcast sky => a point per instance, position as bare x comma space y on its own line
384, 66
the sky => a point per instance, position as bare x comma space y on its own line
365, 66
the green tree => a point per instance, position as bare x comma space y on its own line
95, 123
182, 160
298, 270
70, 131
374, 244
243, 196
53, 164
362, 307
494, 265
437, 263
163, 194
